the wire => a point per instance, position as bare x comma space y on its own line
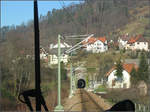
68, 51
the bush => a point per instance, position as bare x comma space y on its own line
101, 88
6, 94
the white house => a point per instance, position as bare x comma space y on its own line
53, 53
112, 81
53, 56
96, 45
137, 43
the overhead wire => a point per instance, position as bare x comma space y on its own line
71, 16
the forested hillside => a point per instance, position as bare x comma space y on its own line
100, 17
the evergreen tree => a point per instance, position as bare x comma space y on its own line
133, 76
143, 68
119, 70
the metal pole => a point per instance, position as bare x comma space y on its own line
75, 82
70, 79
59, 107
37, 57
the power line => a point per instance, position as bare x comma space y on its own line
77, 46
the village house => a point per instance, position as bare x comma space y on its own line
137, 43
133, 43
112, 79
95, 45
53, 53
53, 56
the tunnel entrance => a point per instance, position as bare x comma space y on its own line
81, 83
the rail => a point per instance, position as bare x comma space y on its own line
90, 102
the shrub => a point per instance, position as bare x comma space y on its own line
101, 88
7, 94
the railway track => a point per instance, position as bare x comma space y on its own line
88, 103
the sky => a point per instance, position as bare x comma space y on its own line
18, 12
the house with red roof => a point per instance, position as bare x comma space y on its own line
133, 42
112, 79
96, 45
137, 43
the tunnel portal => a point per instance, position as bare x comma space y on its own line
81, 83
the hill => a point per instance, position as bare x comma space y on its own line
139, 23
110, 18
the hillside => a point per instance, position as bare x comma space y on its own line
100, 17
140, 22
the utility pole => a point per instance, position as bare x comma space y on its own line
59, 107
37, 57
71, 79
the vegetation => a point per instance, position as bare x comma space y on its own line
143, 68
132, 94
134, 77
87, 81
101, 88
119, 69
18, 75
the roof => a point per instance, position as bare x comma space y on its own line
62, 42
138, 38
103, 39
93, 39
127, 67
